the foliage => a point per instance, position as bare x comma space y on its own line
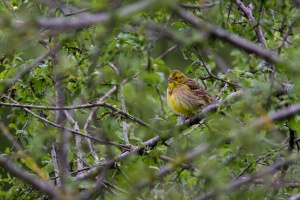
83, 99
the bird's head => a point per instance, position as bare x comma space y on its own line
176, 78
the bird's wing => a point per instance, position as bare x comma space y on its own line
199, 90
196, 87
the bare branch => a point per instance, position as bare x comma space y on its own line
85, 20
231, 38
54, 158
270, 118
284, 113
199, 6
248, 13
110, 163
189, 156
210, 74
295, 197
248, 179
167, 51
77, 141
62, 127
285, 36
124, 124
104, 104
90, 117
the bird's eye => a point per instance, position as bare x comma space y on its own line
176, 78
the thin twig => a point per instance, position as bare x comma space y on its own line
167, 51
90, 117
187, 157
8, 135
248, 179
114, 68
160, 100
285, 36
124, 124
182, 165
70, 130
193, 128
220, 63
54, 159
104, 104
210, 74
25, 70
9, 8
198, 6
221, 92
77, 140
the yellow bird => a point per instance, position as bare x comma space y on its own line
185, 96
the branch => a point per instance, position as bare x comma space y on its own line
284, 113
248, 179
197, 118
233, 39
167, 51
182, 165
295, 197
13, 80
124, 124
39, 184
186, 158
65, 128
286, 35
60, 162
90, 117
77, 141
274, 184
104, 104
208, 109
29, 67
198, 6
248, 14
111, 162
210, 74
109, 93
86, 20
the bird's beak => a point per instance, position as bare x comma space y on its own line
169, 80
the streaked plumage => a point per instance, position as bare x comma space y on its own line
184, 95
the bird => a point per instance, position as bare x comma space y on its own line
185, 96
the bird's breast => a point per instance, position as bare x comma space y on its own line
178, 100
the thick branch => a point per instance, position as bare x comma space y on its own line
86, 20
110, 163
39, 184
231, 38
248, 179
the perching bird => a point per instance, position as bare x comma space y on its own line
185, 96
